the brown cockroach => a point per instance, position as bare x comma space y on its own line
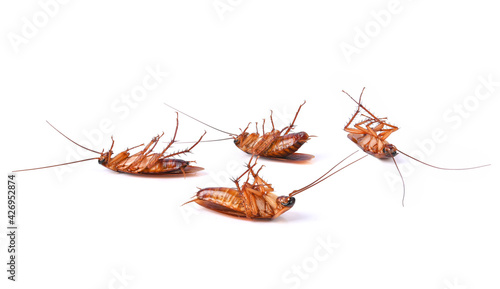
277, 144
144, 162
254, 200
371, 136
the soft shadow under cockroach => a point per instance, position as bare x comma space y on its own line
143, 162
278, 144
372, 140
254, 200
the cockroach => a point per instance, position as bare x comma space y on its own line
254, 199
277, 144
144, 162
371, 136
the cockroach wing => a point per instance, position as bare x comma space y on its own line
286, 145
223, 200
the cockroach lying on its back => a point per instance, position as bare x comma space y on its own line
254, 200
278, 144
371, 136
143, 162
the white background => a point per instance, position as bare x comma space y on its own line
88, 226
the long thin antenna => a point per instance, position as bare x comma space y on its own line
71, 139
199, 120
459, 169
322, 178
304, 188
210, 140
55, 165
404, 187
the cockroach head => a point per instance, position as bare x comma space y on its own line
390, 150
239, 139
103, 159
285, 201
283, 204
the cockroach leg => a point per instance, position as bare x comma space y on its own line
242, 132
140, 156
134, 147
187, 150
271, 117
296, 114
175, 135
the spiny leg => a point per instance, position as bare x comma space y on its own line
386, 134
111, 149
175, 135
247, 192
156, 157
258, 180
293, 122
187, 150
250, 205
379, 127
249, 165
261, 183
115, 161
243, 197
372, 132
360, 105
361, 95
243, 131
248, 168
272, 122
358, 128
146, 151
357, 110
155, 142
378, 119
134, 147
148, 148
351, 120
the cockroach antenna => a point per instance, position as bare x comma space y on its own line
228, 133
